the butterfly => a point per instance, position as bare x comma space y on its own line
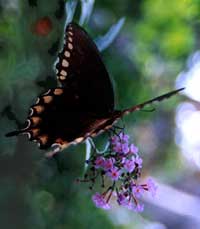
83, 105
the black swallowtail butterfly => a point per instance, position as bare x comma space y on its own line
83, 106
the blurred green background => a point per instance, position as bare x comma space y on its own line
151, 50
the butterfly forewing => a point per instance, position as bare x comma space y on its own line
80, 65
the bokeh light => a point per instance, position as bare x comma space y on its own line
188, 113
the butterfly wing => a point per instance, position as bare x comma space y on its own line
82, 106
79, 64
49, 122
58, 117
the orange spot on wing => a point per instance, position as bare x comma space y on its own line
47, 99
65, 63
58, 91
39, 109
43, 139
70, 46
35, 120
63, 73
62, 77
35, 132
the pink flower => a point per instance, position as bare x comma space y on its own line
128, 203
114, 173
114, 140
117, 148
138, 162
99, 162
152, 187
124, 148
100, 202
108, 163
122, 199
129, 165
122, 164
121, 148
133, 149
137, 190
124, 138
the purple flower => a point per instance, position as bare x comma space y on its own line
152, 187
129, 205
129, 165
124, 148
99, 162
122, 199
114, 140
133, 149
126, 202
139, 208
121, 148
100, 202
138, 162
108, 164
124, 137
114, 173
137, 190
122, 165
117, 148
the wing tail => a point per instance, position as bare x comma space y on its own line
13, 133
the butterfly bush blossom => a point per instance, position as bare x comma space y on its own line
120, 166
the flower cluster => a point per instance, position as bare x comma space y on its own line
122, 165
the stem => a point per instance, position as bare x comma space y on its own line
135, 200
102, 180
112, 188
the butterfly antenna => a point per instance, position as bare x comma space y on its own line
157, 99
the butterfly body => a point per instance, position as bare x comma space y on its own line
83, 105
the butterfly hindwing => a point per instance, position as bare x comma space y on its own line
58, 117
80, 64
